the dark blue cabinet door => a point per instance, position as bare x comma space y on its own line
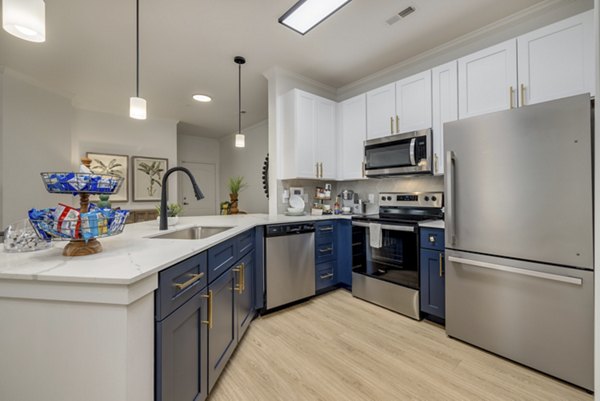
344, 252
181, 352
245, 293
433, 286
222, 336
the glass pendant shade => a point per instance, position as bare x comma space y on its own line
137, 108
240, 141
25, 19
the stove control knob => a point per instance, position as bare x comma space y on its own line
389, 198
383, 198
433, 198
427, 199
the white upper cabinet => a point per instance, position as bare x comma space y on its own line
487, 80
325, 142
381, 111
445, 108
307, 137
557, 60
413, 103
352, 134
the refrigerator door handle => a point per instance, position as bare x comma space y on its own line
508, 269
413, 141
450, 212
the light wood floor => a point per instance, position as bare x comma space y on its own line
336, 347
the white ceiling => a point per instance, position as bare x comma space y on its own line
187, 47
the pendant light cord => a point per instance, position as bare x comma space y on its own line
137, 48
240, 99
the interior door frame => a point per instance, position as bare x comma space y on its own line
217, 189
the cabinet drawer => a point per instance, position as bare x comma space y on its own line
179, 283
325, 230
221, 257
432, 238
324, 251
326, 276
245, 243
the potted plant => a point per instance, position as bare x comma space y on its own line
173, 210
236, 184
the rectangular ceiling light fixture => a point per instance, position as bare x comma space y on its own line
306, 14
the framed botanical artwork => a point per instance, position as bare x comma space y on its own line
105, 163
147, 173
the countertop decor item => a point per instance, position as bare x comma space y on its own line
105, 163
80, 226
265, 176
147, 177
21, 237
236, 184
173, 211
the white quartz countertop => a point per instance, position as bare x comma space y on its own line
432, 224
133, 255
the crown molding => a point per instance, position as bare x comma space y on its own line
276, 71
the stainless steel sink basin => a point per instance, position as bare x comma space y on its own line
198, 232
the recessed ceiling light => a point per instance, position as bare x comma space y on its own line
306, 14
25, 19
202, 98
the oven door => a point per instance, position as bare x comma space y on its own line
397, 261
408, 153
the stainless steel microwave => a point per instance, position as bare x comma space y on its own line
409, 153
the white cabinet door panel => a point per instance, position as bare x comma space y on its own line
381, 111
325, 141
488, 80
445, 108
413, 102
557, 60
352, 134
305, 127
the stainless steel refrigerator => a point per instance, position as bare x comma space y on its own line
519, 236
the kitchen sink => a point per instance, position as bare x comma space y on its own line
198, 232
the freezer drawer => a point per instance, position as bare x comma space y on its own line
539, 315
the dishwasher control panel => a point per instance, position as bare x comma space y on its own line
276, 230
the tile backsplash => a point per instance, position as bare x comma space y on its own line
424, 183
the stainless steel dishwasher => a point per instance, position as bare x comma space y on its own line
290, 263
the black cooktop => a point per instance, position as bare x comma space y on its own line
403, 215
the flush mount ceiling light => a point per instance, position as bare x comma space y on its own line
240, 139
306, 14
137, 105
202, 98
25, 19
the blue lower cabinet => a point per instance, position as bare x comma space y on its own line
244, 287
222, 333
181, 352
325, 275
433, 283
344, 253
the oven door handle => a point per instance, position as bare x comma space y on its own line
413, 141
389, 227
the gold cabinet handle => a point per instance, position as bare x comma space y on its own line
511, 93
243, 277
192, 280
321, 167
441, 265
238, 286
435, 163
397, 124
391, 125
522, 94
209, 322
363, 169
317, 167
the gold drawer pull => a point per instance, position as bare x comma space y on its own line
238, 286
522, 95
209, 322
192, 280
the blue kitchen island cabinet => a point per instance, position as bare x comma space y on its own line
432, 273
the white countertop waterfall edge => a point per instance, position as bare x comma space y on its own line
131, 256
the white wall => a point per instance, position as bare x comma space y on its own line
246, 162
36, 137
98, 132
198, 149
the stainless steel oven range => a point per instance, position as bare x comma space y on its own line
385, 250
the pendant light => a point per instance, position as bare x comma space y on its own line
137, 105
240, 139
25, 19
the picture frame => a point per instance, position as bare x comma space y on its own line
147, 174
108, 163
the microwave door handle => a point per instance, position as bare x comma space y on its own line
413, 162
